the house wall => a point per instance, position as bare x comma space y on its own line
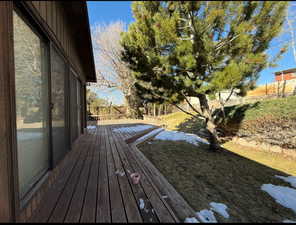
52, 20
6, 153
286, 76
58, 26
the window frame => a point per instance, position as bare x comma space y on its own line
25, 199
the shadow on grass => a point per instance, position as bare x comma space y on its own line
202, 177
234, 117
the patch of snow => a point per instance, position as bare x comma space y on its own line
206, 216
150, 134
142, 203
91, 127
290, 179
283, 195
191, 220
24, 135
120, 173
289, 221
220, 208
180, 136
136, 128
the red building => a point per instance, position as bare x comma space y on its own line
289, 74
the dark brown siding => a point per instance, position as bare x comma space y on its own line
7, 118
54, 17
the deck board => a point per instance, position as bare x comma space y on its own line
130, 203
103, 198
116, 201
76, 205
162, 209
90, 189
43, 212
60, 210
90, 203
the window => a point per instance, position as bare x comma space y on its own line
31, 96
58, 115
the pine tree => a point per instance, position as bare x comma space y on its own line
181, 49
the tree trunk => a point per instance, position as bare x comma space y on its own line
213, 136
134, 111
283, 90
210, 125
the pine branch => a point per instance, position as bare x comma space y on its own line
191, 106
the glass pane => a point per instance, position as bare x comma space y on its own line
31, 104
78, 107
58, 71
73, 108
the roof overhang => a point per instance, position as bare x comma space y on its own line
78, 14
285, 71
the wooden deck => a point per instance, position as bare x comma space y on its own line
94, 185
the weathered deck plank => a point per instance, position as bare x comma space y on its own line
147, 213
90, 189
90, 203
116, 201
76, 205
42, 214
103, 199
61, 208
162, 209
130, 203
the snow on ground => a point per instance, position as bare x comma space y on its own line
220, 208
142, 203
179, 136
136, 128
150, 134
206, 216
290, 179
285, 196
191, 220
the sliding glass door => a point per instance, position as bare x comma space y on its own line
75, 107
58, 107
31, 95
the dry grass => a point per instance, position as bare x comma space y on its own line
276, 161
271, 89
201, 177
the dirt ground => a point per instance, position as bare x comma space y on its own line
201, 177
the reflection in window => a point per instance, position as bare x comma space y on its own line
58, 71
31, 104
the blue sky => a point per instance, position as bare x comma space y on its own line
108, 11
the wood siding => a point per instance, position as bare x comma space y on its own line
55, 19
7, 179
